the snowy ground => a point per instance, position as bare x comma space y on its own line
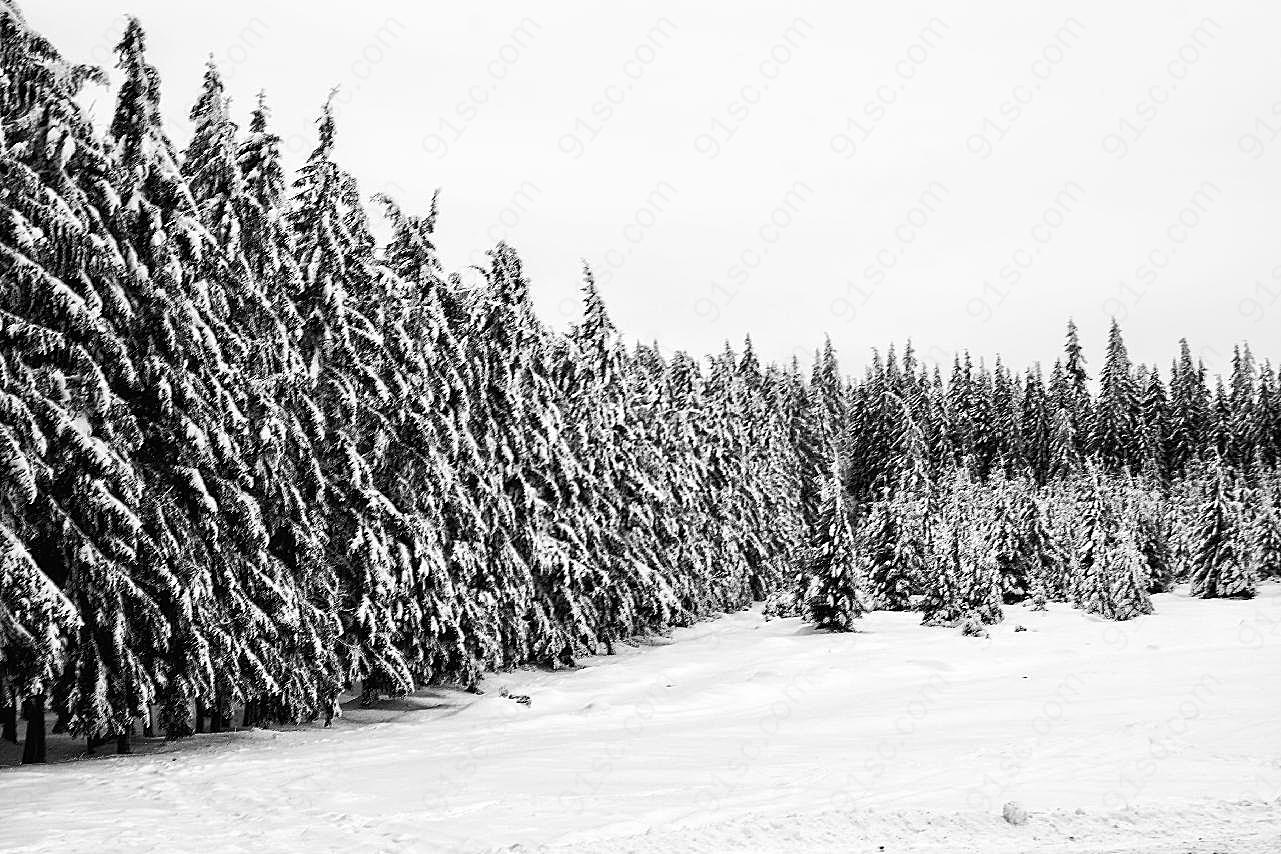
1159, 735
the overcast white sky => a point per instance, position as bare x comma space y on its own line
873, 171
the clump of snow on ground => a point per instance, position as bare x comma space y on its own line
1159, 734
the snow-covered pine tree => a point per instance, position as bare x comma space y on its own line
624, 501
1154, 432
802, 423
1150, 525
963, 579
719, 520
1007, 440
1181, 509
769, 525
931, 407
1189, 411
942, 604
1096, 538
1267, 426
1064, 460
894, 552
202, 544
446, 629
830, 400
343, 352
1116, 414
1043, 551
1129, 571
984, 428
833, 597
69, 607
536, 519
784, 533
678, 406
1009, 550
1267, 530
1220, 437
1131, 560
1242, 427
982, 585
1075, 393
292, 662
288, 480
1222, 563
1037, 426
1112, 576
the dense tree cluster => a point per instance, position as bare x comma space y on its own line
252, 458
992, 489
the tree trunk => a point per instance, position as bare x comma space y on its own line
215, 714
248, 719
124, 741
148, 721
33, 748
9, 717
200, 716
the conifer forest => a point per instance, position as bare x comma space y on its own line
255, 458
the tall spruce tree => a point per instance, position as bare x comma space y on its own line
73, 609
1116, 415
203, 549
1222, 559
342, 349
1267, 531
1075, 395
833, 597
894, 552
1011, 554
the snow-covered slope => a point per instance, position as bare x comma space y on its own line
1157, 735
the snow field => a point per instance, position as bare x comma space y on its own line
1158, 734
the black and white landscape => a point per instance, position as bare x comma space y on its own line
821, 429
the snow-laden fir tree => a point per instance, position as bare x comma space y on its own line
69, 607
1074, 393
942, 604
1011, 554
1151, 528
963, 579
1116, 413
731, 531
287, 667
679, 406
1134, 563
1267, 529
445, 631
1097, 534
1037, 426
288, 479
341, 348
1267, 427
623, 499
1043, 550
772, 530
201, 552
516, 417
834, 596
894, 550
1222, 558
1111, 575
804, 428
1129, 572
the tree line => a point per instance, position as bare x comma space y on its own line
253, 458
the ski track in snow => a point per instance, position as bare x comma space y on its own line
1158, 735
